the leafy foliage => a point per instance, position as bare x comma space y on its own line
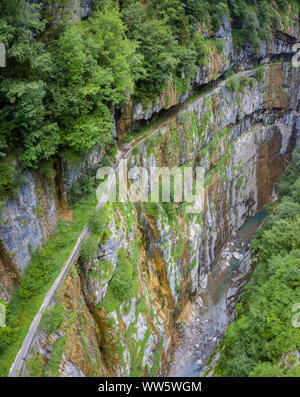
237, 84
255, 342
62, 78
89, 248
52, 318
7, 336
123, 286
39, 276
57, 95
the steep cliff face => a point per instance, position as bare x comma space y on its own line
29, 219
238, 118
222, 56
132, 116
122, 306
125, 302
136, 114
73, 9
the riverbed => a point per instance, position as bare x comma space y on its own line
214, 303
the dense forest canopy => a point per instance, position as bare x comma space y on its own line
63, 75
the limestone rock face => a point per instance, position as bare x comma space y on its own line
85, 7
69, 370
73, 170
30, 218
122, 306
243, 141
76, 9
135, 113
132, 115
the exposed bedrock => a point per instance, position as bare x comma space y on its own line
136, 114
27, 226
243, 140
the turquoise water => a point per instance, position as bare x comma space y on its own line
245, 234
248, 229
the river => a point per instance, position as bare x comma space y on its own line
212, 308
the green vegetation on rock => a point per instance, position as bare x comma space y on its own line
263, 332
65, 75
52, 318
45, 266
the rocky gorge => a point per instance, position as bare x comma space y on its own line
241, 129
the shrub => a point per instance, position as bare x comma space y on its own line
51, 369
266, 370
37, 274
52, 318
152, 208
34, 367
8, 183
238, 84
296, 191
7, 335
202, 49
232, 84
47, 170
260, 74
288, 209
98, 221
136, 151
89, 248
83, 187
170, 210
120, 287
123, 286
219, 46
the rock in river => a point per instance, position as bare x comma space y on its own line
236, 256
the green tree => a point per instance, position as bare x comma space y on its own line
158, 47
22, 86
266, 370
288, 209
281, 237
98, 221
52, 318
263, 332
89, 248
96, 67
7, 336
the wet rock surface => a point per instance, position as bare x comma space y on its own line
214, 305
243, 143
30, 218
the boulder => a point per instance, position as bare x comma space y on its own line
236, 256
